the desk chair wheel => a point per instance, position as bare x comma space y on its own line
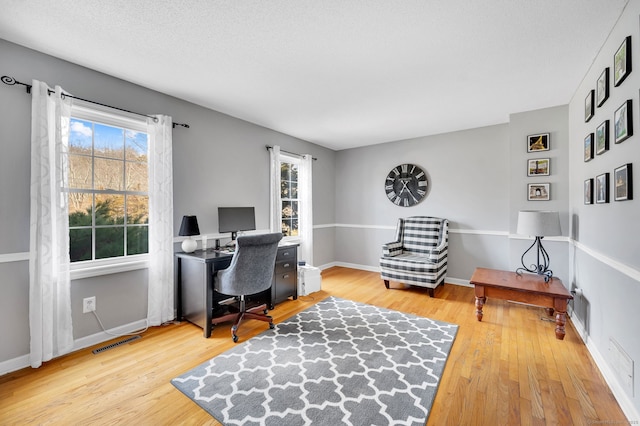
235, 338
271, 326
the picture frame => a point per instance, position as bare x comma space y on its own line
602, 87
588, 191
588, 106
623, 183
602, 138
622, 62
538, 167
602, 188
588, 147
538, 192
538, 142
623, 122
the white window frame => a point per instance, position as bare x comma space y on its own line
97, 267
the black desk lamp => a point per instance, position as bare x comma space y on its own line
188, 228
538, 224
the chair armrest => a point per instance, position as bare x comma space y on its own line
393, 248
436, 253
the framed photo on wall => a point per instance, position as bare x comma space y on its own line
588, 191
622, 62
539, 142
623, 122
602, 87
538, 192
602, 137
538, 167
623, 181
588, 106
602, 188
588, 147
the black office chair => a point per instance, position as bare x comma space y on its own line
250, 272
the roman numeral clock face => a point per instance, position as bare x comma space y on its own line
406, 185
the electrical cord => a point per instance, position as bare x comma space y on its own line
133, 333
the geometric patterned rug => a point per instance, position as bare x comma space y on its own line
338, 362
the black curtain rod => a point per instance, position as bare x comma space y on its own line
291, 153
12, 81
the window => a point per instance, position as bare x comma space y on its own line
289, 196
107, 186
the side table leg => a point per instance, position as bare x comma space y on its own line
479, 304
561, 320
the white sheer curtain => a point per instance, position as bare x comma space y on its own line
161, 292
306, 208
276, 201
49, 283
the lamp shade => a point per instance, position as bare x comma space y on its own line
538, 223
189, 226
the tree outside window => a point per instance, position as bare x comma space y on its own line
108, 191
289, 197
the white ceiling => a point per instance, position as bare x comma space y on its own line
339, 73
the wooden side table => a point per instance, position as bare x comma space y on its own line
524, 288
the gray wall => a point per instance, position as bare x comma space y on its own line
605, 261
477, 180
219, 161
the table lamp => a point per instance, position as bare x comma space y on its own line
188, 228
538, 224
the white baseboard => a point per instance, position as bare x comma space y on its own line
81, 343
626, 404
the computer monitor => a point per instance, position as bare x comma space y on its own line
235, 219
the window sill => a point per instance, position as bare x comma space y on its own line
98, 268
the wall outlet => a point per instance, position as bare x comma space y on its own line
88, 304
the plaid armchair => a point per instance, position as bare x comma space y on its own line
418, 256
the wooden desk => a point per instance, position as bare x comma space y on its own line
525, 288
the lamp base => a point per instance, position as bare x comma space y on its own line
189, 245
541, 267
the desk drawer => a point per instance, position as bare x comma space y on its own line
286, 253
285, 266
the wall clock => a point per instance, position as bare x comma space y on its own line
406, 185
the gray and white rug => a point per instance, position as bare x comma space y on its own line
338, 362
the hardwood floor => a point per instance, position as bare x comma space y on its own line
506, 370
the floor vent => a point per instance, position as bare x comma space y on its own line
113, 345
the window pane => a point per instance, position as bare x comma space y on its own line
109, 242
285, 189
289, 209
80, 171
284, 171
137, 209
80, 244
290, 227
109, 141
108, 174
80, 136
137, 239
136, 146
137, 177
80, 210
294, 172
109, 209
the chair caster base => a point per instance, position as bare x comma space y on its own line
271, 326
234, 338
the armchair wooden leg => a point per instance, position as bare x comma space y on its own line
432, 292
386, 283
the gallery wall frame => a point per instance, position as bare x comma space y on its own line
588, 191
602, 137
588, 147
538, 192
602, 188
623, 183
588, 106
602, 87
622, 62
538, 167
538, 142
623, 122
